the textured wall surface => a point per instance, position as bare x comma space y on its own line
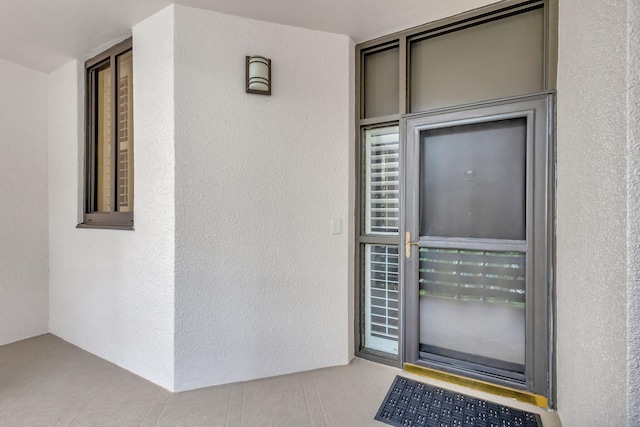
592, 213
633, 213
262, 286
23, 212
111, 291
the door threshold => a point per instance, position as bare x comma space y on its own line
483, 386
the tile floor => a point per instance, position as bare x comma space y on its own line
45, 381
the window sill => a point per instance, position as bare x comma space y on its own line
106, 226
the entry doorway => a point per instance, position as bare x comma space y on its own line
475, 263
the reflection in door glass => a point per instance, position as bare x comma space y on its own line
472, 306
381, 180
473, 180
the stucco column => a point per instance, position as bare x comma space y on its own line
592, 199
633, 212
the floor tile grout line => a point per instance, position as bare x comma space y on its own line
306, 400
368, 378
146, 414
35, 381
226, 417
15, 398
65, 416
315, 387
33, 386
400, 372
242, 408
164, 406
99, 380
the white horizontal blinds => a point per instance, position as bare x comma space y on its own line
382, 180
105, 139
381, 194
125, 133
381, 298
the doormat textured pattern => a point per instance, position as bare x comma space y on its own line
412, 403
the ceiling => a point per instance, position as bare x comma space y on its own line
46, 34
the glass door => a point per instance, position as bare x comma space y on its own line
476, 255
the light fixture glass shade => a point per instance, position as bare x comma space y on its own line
258, 75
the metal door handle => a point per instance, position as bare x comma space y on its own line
408, 243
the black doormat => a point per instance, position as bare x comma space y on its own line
412, 403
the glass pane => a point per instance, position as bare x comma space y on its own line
382, 184
493, 60
381, 82
125, 132
105, 140
381, 298
473, 180
472, 306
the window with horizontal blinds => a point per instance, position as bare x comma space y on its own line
380, 218
125, 133
104, 141
382, 181
381, 298
109, 191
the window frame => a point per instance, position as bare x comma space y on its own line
91, 218
364, 239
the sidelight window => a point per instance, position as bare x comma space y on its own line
380, 193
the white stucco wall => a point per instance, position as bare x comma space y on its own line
592, 213
262, 284
23, 212
111, 291
633, 213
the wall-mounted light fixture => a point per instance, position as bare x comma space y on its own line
258, 75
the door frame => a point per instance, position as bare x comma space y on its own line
539, 313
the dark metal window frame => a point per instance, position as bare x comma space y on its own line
92, 218
363, 239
